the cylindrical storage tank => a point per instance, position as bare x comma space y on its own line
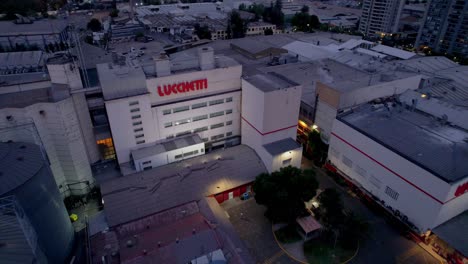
25, 174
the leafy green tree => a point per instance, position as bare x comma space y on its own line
274, 15
242, 7
94, 25
203, 32
257, 9
284, 192
236, 25
331, 208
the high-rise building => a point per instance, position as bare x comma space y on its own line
380, 16
445, 28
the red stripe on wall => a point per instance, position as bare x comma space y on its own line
270, 132
388, 169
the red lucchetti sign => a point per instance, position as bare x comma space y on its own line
463, 188
182, 87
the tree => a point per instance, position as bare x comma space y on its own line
305, 9
242, 7
284, 192
274, 15
331, 208
203, 32
236, 25
114, 13
94, 25
317, 148
268, 31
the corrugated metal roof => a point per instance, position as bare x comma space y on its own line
399, 53
14, 247
18, 163
281, 146
148, 192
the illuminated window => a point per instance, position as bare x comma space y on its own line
106, 148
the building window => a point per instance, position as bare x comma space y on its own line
347, 161
220, 113
138, 129
140, 142
167, 112
169, 136
228, 111
168, 124
217, 137
183, 133
198, 118
139, 136
106, 147
148, 168
137, 123
136, 116
146, 162
228, 134
134, 110
215, 102
181, 122
200, 129
199, 105
217, 125
229, 99
287, 162
133, 103
228, 123
392, 193
181, 109
178, 156
202, 150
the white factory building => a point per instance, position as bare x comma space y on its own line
412, 162
170, 112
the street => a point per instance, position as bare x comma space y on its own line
384, 244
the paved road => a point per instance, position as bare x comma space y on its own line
384, 244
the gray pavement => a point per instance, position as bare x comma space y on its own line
254, 229
384, 244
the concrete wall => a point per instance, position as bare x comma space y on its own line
58, 130
268, 117
414, 202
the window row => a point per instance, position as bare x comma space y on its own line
197, 118
196, 106
186, 154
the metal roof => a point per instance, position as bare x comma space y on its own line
23, 59
161, 147
18, 163
455, 232
281, 146
438, 148
399, 53
431, 64
308, 50
119, 81
148, 192
39, 27
16, 249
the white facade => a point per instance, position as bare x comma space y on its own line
211, 108
269, 116
425, 199
157, 155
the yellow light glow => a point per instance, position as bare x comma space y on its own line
314, 127
423, 95
302, 123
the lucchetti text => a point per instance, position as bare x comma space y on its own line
182, 87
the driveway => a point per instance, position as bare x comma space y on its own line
255, 230
384, 244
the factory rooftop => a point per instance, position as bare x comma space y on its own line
455, 232
269, 82
138, 195
436, 146
211, 10
38, 27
